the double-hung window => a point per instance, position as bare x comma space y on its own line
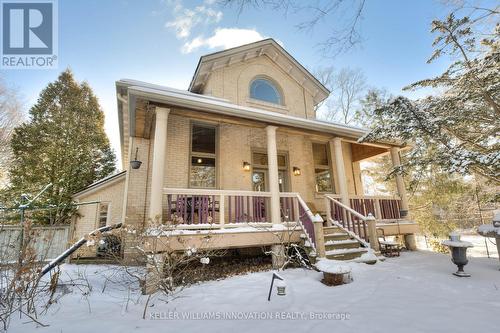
322, 168
203, 157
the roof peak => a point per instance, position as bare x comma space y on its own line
269, 47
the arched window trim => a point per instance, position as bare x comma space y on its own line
273, 83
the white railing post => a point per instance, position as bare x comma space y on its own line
296, 211
328, 207
371, 224
222, 211
378, 211
319, 236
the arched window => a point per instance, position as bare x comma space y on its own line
266, 91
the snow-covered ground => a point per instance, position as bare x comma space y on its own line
482, 245
413, 293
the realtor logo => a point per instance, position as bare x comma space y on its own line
29, 34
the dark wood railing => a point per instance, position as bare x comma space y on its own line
390, 209
347, 218
190, 206
306, 219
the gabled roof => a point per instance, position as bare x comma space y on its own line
268, 47
109, 180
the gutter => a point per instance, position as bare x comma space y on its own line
225, 108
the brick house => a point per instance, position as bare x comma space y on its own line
242, 148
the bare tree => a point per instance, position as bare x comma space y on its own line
342, 17
348, 87
10, 117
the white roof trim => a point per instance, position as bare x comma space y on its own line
274, 51
203, 103
104, 182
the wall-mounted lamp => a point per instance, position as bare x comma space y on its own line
199, 161
246, 166
296, 171
135, 164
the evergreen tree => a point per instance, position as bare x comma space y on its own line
457, 128
63, 143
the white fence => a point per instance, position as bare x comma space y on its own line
48, 241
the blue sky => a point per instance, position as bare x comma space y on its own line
160, 41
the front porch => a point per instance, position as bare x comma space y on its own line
211, 172
224, 219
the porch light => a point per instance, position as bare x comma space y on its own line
199, 161
246, 166
296, 171
135, 164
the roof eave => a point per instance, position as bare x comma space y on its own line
225, 108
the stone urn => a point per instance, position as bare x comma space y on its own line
458, 251
492, 230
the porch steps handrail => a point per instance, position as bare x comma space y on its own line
355, 213
349, 209
311, 217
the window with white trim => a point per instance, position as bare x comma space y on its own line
203, 157
322, 168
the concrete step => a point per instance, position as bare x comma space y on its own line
337, 236
341, 244
345, 254
331, 230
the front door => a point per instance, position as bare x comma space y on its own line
260, 174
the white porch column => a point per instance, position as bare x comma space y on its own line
340, 167
272, 161
157, 174
396, 162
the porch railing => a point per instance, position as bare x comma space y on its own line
382, 207
200, 206
348, 219
220, 207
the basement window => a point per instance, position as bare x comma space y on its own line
203, 156
322, 168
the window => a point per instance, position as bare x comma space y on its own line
322, 170
103, 214
203, 156
266, 91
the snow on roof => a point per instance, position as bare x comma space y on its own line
206, 103
100, 182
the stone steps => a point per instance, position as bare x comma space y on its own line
339, 245
346, 254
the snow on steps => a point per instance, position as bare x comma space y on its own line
341, 244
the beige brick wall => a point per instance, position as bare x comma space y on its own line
236, 143
233, 83
87, 221
138, 192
